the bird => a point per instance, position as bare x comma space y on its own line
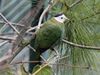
47, 37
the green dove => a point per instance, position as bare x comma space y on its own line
46, 37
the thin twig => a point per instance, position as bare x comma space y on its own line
42, 15
16, 24
57, 54
5, 34
7, 38
33, 28
3, 43
72, 66
3, 28
41, 67
52, 57
80, 46
75, 3
96, 13
56, 58
10, 24
25, 62
64, 57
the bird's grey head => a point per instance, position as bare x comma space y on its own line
60, 18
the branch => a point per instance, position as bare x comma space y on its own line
3, 43
80, 46
16, 24
10, 24
7, 38
44, 12
5, 34
26, 62
41, 17
33, 28
56, 51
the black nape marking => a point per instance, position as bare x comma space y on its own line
58, 15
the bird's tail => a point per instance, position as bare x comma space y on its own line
35, 57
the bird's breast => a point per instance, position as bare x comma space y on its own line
47, 36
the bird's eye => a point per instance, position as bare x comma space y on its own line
61, 17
